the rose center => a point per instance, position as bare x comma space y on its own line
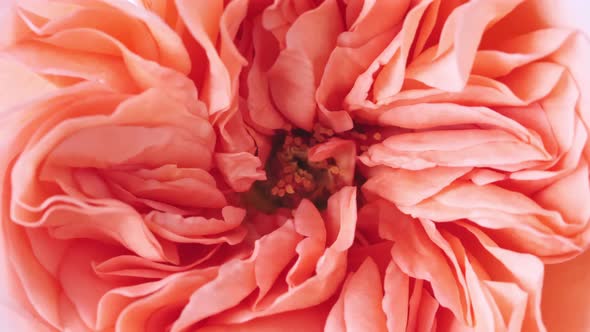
291, 176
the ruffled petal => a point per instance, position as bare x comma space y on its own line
447, 66
360, 302
20, 84
342, 151
296, 73
240, 170
458, 148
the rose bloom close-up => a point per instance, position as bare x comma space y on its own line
294, 165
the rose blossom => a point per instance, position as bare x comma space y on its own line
292, 165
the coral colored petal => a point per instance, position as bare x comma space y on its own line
172, 293
296, 73
202, 20
405, 187
187, 187
330, 271
51, 60
233, 133
308, 222
169, 45
518, 51
390, 65
275, 253
482, 148
335, 321
569, 196
218, 295
81, 285
240, 170
427, 313
416, 255
447, 67
518, 221
19, 84
511, 301
341, 218
260, 106
395, 301
572, 56
566, 295
139, 267
342, 151
362, 300
368, 35
432, 115
197, 226
292, 87
524, 270
305, 320
41, 289
280, 15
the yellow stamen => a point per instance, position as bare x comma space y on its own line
334, 170
377, 136
289, 189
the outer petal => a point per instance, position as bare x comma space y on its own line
565, 295
360, 302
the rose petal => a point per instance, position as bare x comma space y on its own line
565, 295
390, 64
201, 19
308, 222
197, 226
395, 302
428, 263
19, 84
305, 320
447, 66
517, 51
240, 170
341, 218
361, 301
81, 285
405, 187
298, 69
342, 151
457, 148
260, 106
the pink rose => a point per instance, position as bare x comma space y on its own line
292, 165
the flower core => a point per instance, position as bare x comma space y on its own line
292, 176
295, 172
